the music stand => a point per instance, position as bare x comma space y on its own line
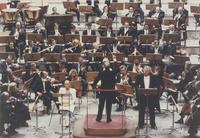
151, 6
86, 9
125, 39
168, 22
89, 38
119, 56
72, 57
147, 93
69, 5
171, 37
70, 37
104, 22
153, 57
52, 57
146, 39
131, 4
6, 39
196, 11
62, 115
151, 22
58, 39
4, 55
179, 59
132, 58
32, 57
127, 19
35, 37
173, 5
59, 76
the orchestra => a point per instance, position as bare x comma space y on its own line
130, 49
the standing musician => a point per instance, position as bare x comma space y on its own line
146, 80
108, 81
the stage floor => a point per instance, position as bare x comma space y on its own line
163, 121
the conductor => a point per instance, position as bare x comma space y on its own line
108, 81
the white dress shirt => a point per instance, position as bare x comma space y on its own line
146, 82
146, 32
125, 31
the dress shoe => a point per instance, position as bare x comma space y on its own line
11, 131
98, 120
180, 121
109, 120
154, 127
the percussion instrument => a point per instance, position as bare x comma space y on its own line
43, 6
32, 13
10, 15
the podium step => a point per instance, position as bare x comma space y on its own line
115, 128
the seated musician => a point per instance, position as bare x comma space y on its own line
156, 49
54, 11
69, 97
191, 91
139, 15
32, 47
137, 68
89, 30
73, 30
56, 30
20, 38
171, 29
130, 12
124, 79
7, 114
125, 30
73, 75
157, 14
181, 18
146, 30
21, 110
11, 47
77, 2
39, 29
107, 13
146, 80
108, 32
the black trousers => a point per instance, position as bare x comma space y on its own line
151, 107
105, 97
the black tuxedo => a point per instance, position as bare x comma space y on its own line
85, 32
108, 81
128, 33
142, 100
160, 16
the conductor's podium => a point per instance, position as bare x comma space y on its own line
88, 127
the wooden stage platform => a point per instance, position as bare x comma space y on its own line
118, 128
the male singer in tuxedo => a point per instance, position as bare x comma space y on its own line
108, 81
146, 80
